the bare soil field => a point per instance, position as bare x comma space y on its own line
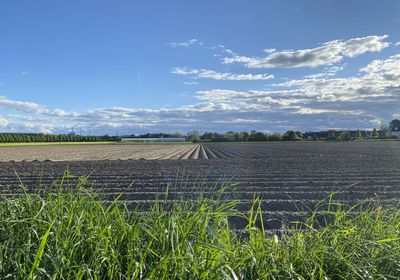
292, 177
196, 151
96, 152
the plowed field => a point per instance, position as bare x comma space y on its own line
292, 177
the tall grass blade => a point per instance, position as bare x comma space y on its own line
40, 251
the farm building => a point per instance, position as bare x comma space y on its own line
166, 139
394, 128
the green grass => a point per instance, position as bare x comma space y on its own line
69, 233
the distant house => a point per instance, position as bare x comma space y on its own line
394, 128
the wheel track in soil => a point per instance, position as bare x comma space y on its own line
193, 153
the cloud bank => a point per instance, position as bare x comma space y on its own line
329, 53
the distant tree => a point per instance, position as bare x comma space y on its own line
252, 135
374, 133
332, 134
358, 134
230, 136
384, 129
290, 136
193, 136
244, 136
207, 136
257, 136
275, 137
177, 135
344, 136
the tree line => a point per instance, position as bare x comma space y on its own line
195, 136
34, 137
290, 135
244, 136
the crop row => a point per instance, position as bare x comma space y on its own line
291, 177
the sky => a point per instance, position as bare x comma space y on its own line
125, 67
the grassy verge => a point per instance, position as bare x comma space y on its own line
69, 233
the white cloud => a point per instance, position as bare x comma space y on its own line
311, 111
388, 69
328, 72
329, 53
269, 50
62, 113
34, 125
24, 106
357, 46
3, 122
190, 83
324, 102
239, 120
397, 44
210, 74
185, 44
368, 98
45, 130
249, 100
222, 49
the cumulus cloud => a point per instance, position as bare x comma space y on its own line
368, 98
210, 74
106, 120
254, 99
380, 78
3, 122
312, 103
357, 46
388, 69
329, 53
24, 106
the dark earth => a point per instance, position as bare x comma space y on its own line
291, 176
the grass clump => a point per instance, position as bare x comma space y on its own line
70, 233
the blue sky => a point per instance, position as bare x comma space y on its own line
130, 67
